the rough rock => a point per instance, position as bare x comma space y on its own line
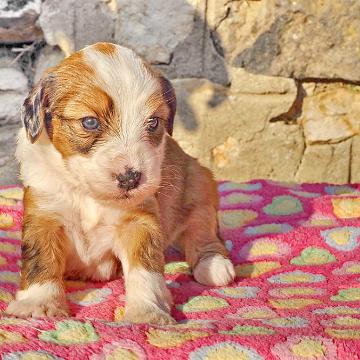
301, 39
236, 25
265, 88
49, 57
13, 89
196, 55
6, 57
13, 80
232, 132
18, 21
71, 24
154, 28
326, 162
355, 159
8, 165
245, 82
332, 114
10, 107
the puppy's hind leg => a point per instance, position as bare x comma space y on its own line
204, 250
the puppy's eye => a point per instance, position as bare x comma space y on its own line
90, 123
152, 124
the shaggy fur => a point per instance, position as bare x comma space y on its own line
79, 222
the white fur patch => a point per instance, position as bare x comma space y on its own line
39, 292
145, 288
125, 79
214, 271
39, 300
123, 76
148, 300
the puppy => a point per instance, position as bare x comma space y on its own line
108, 189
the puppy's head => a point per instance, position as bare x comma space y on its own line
107, 113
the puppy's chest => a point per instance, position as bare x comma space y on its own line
91, 229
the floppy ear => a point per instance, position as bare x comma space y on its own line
170, 98
33, 113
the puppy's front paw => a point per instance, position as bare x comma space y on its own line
214, 271
148, 300
149, 315
157, 313
29, 308
39, 300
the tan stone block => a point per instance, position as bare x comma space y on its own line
245, 82
331, 115
355, 159
231, 132
326, 163
273, 153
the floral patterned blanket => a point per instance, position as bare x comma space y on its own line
296, 296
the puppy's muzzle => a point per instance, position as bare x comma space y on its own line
130, 180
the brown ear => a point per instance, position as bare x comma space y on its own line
34, 111
170, 98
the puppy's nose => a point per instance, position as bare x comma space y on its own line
130, 180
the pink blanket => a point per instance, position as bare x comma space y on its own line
297, 293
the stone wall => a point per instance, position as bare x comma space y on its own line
266, 88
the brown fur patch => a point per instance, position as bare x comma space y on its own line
69, 136
159, 106
105, 48
141, 234
190, 192
169, 98
164, 98
35, 109
73, 97
44, 245
156, 136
